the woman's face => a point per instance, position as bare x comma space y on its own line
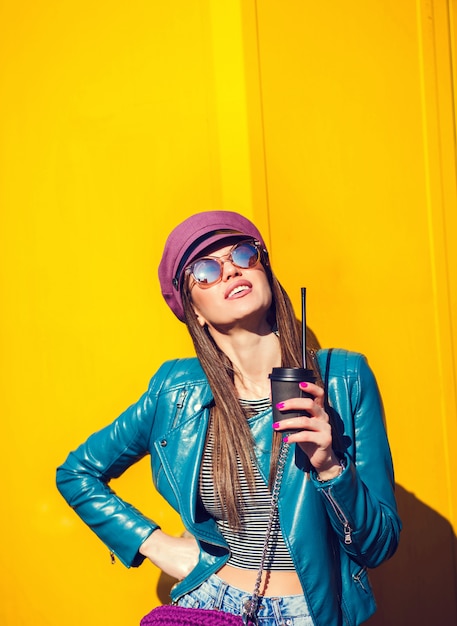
242, 297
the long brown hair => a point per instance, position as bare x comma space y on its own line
231, 433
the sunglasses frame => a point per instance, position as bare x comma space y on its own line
221, 261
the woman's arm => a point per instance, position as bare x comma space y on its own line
356, 482
84, 478
176, 556
360, 502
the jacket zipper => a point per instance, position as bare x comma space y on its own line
178, 409
347, 530
358, 578
179, 406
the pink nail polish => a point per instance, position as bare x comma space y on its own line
285, 439
280, 405
276, 425
303, 385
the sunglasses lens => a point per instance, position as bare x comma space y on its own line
206, 271
245, 255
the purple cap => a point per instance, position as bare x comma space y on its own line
189, 239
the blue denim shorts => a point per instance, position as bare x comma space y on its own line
216, 594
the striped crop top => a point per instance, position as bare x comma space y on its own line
246, 544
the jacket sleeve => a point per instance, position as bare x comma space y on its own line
83, 479
360, 502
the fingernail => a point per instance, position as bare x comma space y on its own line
303, 385
276, 425
280, 405
285, 439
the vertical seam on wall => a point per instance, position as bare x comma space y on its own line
425, 128
262, 125
452, 64
445, 251
451, 54
433, 148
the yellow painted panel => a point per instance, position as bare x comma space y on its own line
347, 188
117, 121
360, 159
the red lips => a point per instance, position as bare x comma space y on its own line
236, 285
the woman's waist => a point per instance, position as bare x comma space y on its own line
273, 583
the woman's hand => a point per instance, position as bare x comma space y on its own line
312, 433
176, 556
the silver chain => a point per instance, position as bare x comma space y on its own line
250, 607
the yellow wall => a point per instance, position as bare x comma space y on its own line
332, 126
358, 140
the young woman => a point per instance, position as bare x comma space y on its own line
207, 424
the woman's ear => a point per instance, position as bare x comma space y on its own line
200, 319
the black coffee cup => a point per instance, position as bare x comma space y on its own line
284, 385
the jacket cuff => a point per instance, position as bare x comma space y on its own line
319, 483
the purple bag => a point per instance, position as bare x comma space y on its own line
171, 615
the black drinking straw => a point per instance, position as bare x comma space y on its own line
303, 324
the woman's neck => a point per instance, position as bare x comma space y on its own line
253, 356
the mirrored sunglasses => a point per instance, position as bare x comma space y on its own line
208, 271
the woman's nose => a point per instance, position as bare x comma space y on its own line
229, 270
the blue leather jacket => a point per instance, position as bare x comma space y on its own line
334, 530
